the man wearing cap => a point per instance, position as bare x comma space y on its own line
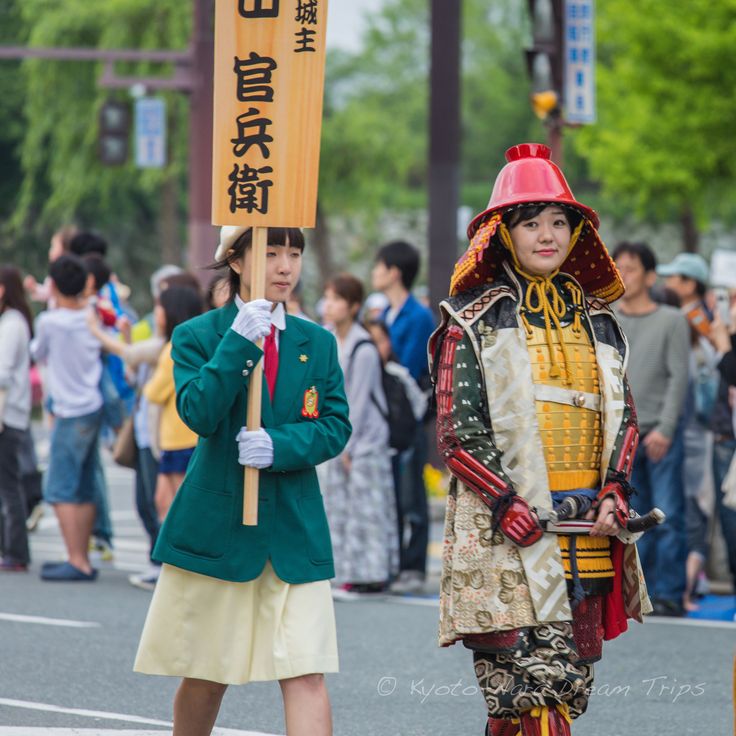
533, 410
687, 276
659, 344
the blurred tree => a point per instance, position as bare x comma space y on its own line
375, 135
663, 146
62, 178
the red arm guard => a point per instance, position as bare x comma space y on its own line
511, 512
618, 487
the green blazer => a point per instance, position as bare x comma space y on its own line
203, 531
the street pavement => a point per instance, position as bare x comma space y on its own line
67, 650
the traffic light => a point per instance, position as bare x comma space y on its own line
113, 133
545, 57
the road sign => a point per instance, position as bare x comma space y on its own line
150, 133
579, 70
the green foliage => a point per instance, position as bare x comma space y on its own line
666, 106
62, 179
376, 131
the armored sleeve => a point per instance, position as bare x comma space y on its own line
464, 433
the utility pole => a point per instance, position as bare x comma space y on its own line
193, 71
444, 145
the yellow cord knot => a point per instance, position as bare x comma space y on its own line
542, 713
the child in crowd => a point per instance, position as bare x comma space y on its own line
176, 304
72, 356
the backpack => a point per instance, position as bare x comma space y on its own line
402, 426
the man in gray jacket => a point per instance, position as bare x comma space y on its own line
659, 340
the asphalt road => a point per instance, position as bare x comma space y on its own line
66, 654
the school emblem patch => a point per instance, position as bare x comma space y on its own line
311, 403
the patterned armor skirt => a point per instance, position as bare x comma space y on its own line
542, 665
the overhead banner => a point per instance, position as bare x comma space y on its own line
269, 83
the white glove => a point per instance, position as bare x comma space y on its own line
253, 320
255, 449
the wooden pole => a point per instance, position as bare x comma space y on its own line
255, 388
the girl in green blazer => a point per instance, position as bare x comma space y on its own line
236, 603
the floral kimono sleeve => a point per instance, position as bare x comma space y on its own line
464, 432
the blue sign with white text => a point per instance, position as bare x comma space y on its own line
150, 133
579, 71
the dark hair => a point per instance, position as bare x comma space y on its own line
700, 288
276, 236
212, 288
14, 296
185, 278
403, 256
179, 303
88, 242
637, 250
514, 215
379, 324
96, 265
69, 275
347, 287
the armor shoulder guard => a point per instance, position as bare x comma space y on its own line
466, 308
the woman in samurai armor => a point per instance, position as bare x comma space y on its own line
533, 409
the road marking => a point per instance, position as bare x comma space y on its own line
69, 623
25, 731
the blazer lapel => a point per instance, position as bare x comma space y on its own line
293, 368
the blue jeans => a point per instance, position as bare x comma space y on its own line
663, 550
722, 454
74, 460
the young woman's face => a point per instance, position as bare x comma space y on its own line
336, 310
541, 243
283, 269
382, 342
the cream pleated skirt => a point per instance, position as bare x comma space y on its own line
233, 633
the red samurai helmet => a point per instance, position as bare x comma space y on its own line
530, 177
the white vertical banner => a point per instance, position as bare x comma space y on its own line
579, 65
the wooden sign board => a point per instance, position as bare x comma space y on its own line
269, 82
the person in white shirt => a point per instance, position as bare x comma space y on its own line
15, 411
63, 341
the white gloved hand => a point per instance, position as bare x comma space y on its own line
253, 320
255, 449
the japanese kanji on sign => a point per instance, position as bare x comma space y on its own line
269, 78
269, 81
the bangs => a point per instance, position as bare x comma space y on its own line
515, 215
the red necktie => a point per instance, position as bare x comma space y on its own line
271, 360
